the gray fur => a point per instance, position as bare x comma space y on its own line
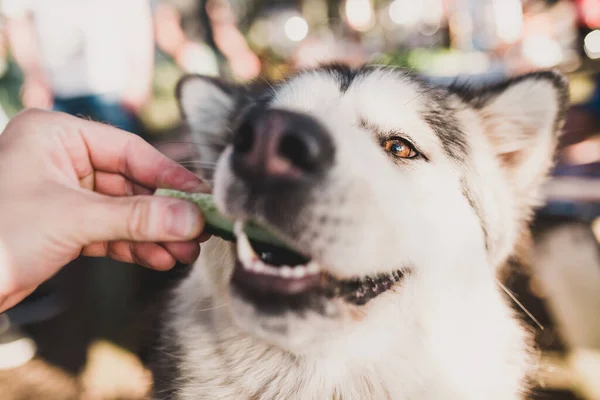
447, 221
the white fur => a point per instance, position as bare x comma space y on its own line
446, 332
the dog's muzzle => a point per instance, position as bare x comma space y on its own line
277, 147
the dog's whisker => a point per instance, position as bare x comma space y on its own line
273, 90
422, 93
521, 306
195, 143
199, 163
202, 170
212, 308
184, 155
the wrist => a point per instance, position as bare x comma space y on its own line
34, 75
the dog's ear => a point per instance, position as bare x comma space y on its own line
523, 119
207, 105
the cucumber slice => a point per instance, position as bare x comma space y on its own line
219, 225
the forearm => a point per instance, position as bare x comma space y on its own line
24, 45
140, 46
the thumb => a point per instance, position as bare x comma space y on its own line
142, 219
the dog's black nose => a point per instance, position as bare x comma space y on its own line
277, 145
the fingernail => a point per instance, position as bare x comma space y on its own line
180, 178
183, 220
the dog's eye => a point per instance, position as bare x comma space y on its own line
400, 148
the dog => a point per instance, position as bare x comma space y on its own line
400, 200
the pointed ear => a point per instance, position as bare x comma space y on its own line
523, 119
207, 105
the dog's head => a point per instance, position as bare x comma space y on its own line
391, 191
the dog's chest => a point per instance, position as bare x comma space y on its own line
285, 383
238, 367
220, 362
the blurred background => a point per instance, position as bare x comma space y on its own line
81, 335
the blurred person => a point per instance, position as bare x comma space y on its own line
84, 57
179, 34
182, 35
243, 62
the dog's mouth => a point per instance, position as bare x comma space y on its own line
273, 273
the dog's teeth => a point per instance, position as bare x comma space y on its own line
238, 227
269, 270
252, 262
245, 252
259, 267
299, 272
285, 272
312, 268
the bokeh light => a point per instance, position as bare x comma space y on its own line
360, 14
591, 44
405, 12
296, 28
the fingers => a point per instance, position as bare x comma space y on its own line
152, 255
119, 251
184, 252
149, 255
145, 254
204, 237
99, 249
100, 218
93, 146
118, 185
116, 151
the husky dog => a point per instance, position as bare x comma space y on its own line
401, 200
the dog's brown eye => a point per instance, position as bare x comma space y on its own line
400, 148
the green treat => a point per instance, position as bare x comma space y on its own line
219, 225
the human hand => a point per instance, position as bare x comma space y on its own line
73, 187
